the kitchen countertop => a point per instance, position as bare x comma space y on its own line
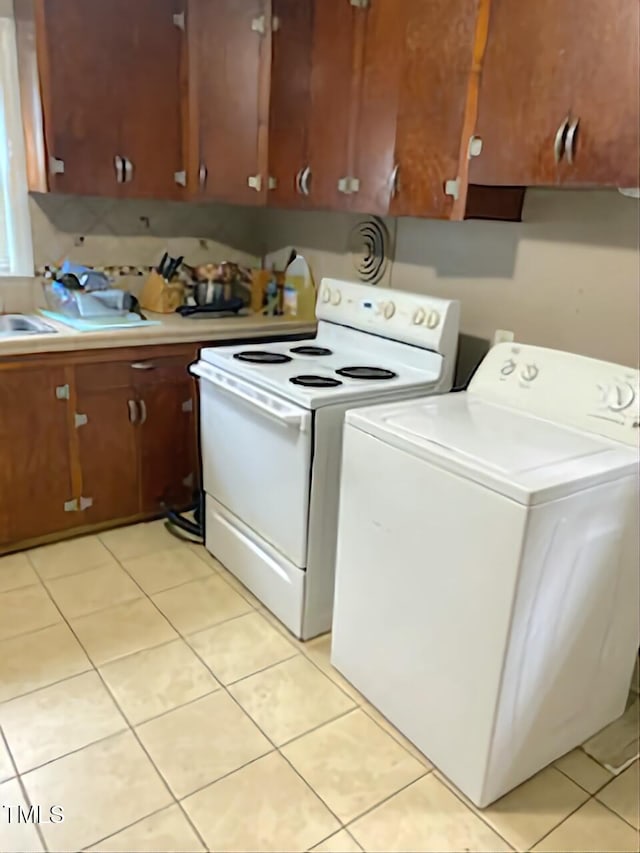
173, 329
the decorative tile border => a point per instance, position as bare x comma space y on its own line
51, 271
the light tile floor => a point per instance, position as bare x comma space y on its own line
145, 691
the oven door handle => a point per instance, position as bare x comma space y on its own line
284, 414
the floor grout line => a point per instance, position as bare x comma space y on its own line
48, 684
22, 786
386, 799
614, 812
458, 795
128, 826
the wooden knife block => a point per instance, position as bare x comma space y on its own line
161, 296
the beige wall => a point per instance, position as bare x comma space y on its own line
566, 277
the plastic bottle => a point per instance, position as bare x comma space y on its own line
299, 291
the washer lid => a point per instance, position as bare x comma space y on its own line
525, 458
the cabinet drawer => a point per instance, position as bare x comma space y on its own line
156, 371
103, 376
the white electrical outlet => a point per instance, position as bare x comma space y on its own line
503, 336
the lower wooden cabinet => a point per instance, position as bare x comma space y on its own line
168, 458
36, 488
108, 454
96, 437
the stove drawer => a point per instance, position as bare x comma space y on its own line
256, 458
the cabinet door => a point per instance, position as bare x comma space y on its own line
35, 475
168, 451
333, 95
290, 103
108, 452
83, 84
436, 62
377, 108
605, 95
151, 102
549, 63
228, 60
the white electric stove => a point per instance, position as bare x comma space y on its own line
271, 435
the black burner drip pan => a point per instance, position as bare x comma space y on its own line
311, 350
379, 373
311, 381
262, 357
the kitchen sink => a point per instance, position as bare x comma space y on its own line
16, 325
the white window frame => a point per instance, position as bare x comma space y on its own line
14, 197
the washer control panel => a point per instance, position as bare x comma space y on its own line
570, 389
408, 317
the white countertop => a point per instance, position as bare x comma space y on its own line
173, 329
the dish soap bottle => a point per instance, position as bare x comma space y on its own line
299, 290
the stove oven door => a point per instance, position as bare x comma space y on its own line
256, 458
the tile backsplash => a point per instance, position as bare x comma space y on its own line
126, 232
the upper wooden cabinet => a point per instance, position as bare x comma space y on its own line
559, 100
151, 131
110, 78
436, 61
373, 106
229, 43
290, 103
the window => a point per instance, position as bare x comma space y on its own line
16, 253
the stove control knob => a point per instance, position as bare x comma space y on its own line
529, 373
336, 298
419, 316
620, 397
389, 310
433, 320
326, 294
508, 367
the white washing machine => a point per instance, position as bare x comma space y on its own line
487, 590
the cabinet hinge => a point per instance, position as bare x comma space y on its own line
452, 188
255, 182
187, 406
80, 420
188, 481
62, 392
360, 4
475, 147
180, 178
71, 506
85, 503
56, 166
259, 25
178, 21
348, 185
